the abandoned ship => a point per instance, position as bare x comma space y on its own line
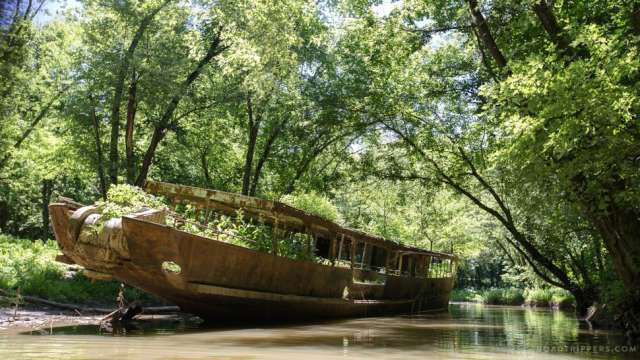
358, 274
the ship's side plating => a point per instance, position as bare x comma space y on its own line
217, 280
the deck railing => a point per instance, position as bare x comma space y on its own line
342, 247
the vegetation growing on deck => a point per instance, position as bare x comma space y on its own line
124, 199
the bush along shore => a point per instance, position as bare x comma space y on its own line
536, 297
28, 270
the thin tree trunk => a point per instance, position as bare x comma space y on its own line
131, 116
484, 33
165, 122
13, 32
550, 25
252, 137
158, 134
97, 139
308, 159
204, 162
47, 190
266, 152
301, 169
118, 89
520, 242
4, 215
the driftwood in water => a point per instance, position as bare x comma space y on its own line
124, 314
601, 316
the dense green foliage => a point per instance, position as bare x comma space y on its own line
537, 297
29, 268
505, 131
313, 204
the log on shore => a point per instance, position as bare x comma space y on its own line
84, 309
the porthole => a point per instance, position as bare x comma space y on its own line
171, 267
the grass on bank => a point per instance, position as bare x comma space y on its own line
30, 266
537, 297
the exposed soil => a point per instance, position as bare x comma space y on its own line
41, 317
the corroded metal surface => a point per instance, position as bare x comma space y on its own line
217, 280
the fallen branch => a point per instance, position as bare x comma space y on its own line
82, 309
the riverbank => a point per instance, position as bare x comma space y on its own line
536, 297
43, 319
40, 318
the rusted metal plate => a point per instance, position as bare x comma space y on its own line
217, 280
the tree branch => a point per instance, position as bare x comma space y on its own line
160, 131
485, 35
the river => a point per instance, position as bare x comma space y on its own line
467, 331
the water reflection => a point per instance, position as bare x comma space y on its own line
465, 332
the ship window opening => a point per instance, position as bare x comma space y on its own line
359, 256
344, 252
412, 268
378, 258
323, 247
171, 267
404, 266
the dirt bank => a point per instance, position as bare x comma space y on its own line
34, 318
43, 318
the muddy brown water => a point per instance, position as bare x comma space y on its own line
467, 331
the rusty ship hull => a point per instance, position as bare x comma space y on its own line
221, 281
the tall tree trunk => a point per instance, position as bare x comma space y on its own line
98, 141
118, 89
47, 190
131, 116
484, 33
266, 152
4, 215
252, 137
204, 163
165, 121
550, 25
620, 228
158, 134
635, 18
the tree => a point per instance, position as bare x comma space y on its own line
434, 114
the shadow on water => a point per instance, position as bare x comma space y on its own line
466, 328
